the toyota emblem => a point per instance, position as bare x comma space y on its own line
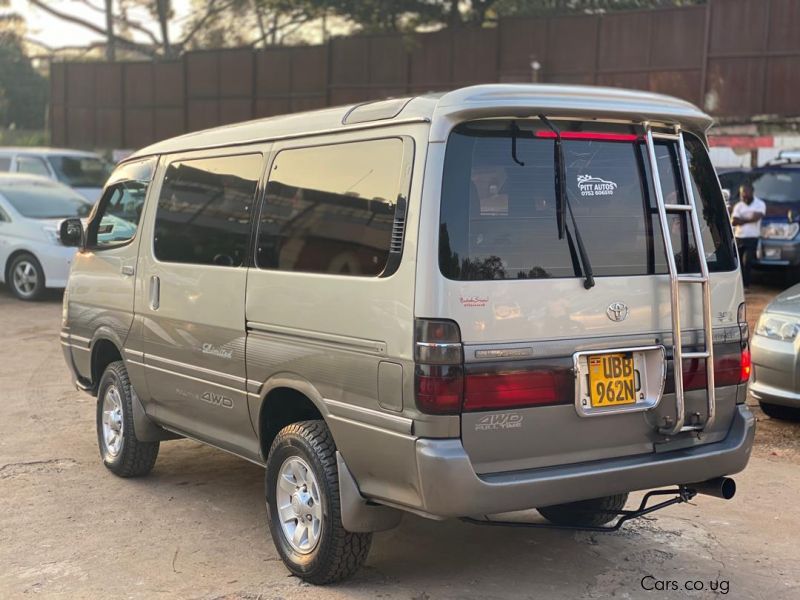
617, 311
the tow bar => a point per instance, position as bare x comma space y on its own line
722, 487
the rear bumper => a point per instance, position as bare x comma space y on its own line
449, 486
774, 395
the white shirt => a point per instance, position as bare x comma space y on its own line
745, 211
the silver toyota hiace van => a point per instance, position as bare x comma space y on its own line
493, 299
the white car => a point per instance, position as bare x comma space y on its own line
85, 172
31, 255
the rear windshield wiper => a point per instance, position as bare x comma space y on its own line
563, 206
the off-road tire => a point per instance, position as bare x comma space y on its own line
338, 553
39, 290
585, 513
135, 458
784, 413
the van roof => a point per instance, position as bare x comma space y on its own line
574, 101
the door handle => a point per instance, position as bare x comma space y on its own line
155, 292
127, 270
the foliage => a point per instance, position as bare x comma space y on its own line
547, 7
23, 90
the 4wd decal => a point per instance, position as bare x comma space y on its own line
497, 421
594, 186
217, 399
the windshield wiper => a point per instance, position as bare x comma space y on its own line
563, 206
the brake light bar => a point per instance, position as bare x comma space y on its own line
516, 389
599, 137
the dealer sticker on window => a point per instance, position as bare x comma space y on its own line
594, 186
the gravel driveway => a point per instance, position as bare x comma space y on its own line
196, 527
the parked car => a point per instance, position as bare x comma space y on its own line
394, 308
776, 357
778, 185
85, 172
32, 257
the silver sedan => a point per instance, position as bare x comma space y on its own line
775, 351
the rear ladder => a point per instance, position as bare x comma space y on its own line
676, 279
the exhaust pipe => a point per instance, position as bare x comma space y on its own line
721, 487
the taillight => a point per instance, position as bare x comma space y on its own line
439, 371
730, 368
538, 387
746, 366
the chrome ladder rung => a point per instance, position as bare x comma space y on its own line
666, 136
692, 428
675, 278
687, 355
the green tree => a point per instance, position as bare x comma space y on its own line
23, 90
547, 7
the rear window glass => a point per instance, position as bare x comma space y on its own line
81, 171
498, 217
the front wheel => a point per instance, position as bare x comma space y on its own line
303, 506
122, 452
585, 513
26, 277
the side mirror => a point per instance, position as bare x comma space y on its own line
71, 233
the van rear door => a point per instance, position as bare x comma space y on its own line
528, 324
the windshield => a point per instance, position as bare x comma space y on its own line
45, 200
778, 186
81, 171
498, 217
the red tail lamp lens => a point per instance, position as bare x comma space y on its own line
493, 391
747, 365
439, 389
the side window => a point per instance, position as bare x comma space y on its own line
204, 210
331, 209
32, 165
119, 211
715, 224
4, 217
5, 164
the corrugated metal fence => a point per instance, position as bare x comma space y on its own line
732, 57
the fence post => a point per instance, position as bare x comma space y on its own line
328, 70
706, 50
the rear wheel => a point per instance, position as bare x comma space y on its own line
776, 411
26, 277
585, 513
302, 490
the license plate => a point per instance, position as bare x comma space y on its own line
612, 379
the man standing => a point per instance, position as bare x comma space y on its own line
746, 218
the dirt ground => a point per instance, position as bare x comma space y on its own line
196, 527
